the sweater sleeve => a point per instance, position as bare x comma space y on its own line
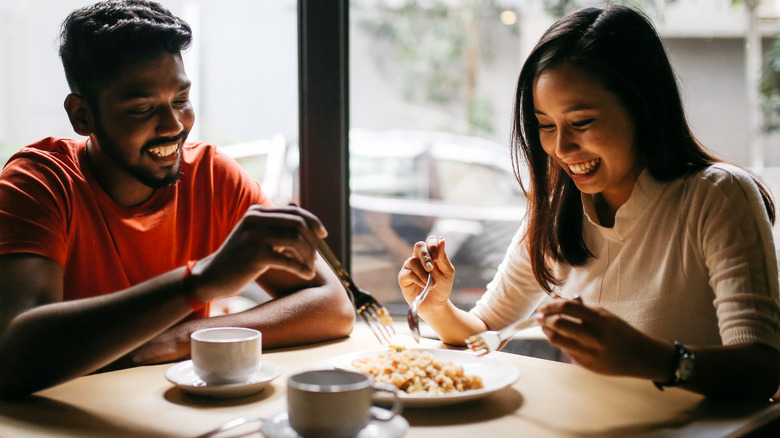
514, 292
735, 237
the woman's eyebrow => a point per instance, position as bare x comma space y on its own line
577, 107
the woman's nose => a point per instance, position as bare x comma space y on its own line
565, 143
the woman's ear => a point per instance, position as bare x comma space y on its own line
79, 113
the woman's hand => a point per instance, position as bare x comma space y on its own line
601, 342
428, 257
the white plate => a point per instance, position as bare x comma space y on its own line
495, 375
183, 375
279, 427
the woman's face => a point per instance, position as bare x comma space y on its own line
587, 131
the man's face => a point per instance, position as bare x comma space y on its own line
142, 119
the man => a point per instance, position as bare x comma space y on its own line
112, 247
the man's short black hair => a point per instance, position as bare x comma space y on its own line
98, 40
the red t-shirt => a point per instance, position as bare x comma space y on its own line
51, 205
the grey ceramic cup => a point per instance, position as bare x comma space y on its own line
334, 403
226, 355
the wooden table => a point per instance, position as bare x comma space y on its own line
550, 399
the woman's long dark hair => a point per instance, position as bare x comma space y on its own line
620, 47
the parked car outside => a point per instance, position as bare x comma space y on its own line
406, 185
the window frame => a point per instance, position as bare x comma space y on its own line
323, 77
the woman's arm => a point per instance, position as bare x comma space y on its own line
600, 341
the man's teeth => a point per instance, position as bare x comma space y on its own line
164, 151
584, 167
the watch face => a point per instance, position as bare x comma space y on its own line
685, 368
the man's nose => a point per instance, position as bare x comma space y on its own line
169, 122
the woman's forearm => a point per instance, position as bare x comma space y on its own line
453, 325
736, 371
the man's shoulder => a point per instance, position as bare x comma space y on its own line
56, 145
200, 147
56, 152
202, 153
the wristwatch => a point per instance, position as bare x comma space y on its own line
684, 370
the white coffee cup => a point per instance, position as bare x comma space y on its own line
334, 403
226, 355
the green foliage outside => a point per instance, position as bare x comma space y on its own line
436, 48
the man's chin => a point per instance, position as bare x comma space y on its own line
165, 182
158, 183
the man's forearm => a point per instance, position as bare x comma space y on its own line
56, 342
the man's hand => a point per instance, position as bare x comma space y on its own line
283, 238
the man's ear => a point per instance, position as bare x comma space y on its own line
80, 114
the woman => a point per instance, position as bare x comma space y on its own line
669, 249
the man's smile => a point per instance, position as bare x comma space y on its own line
164, 151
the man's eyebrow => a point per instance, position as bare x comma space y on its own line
139, 93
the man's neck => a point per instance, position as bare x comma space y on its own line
123, 188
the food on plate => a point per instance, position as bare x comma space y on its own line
417, 372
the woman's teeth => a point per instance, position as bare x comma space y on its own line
584, 167
164, 151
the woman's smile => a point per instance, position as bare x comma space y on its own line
584, 167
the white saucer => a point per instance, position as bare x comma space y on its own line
183, 375
278, 426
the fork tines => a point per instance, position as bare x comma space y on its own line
374, 314
378, 319
477, 345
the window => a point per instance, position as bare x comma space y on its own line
431, 95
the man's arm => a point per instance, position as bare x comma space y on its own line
300, 313
44, 341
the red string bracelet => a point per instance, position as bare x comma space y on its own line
195, 303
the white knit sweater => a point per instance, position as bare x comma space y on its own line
691, 260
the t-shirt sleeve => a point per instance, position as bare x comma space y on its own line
34, 208
240, 191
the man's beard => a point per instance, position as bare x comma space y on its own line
142, 174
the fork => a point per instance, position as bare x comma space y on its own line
489, 341
411, 316
231, 424
373, 313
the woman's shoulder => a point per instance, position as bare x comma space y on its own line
723, 177
724, 185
